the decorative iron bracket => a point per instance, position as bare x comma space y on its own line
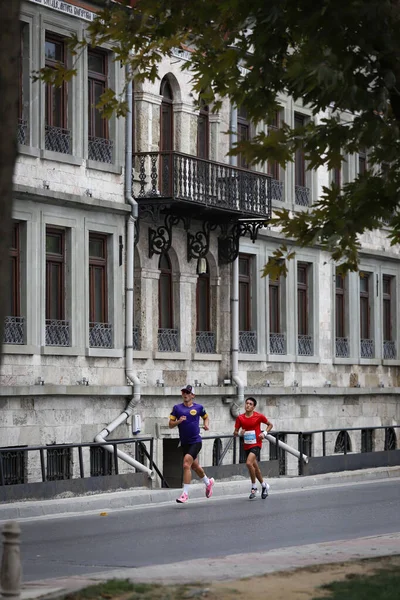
228, 242
160, 239
198, 244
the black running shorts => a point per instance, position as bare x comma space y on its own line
192, 449
255, 450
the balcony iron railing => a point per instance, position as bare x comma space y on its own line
277, 190
367, 348
100, 149
342, 347
277, 343
210, 184
248, 342
136, 339
14, 330
205, 342
168, 340
58, 139
302, 195
57, 333
389, 349
100, 335
305, 345
22, 130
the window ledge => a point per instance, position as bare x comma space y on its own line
102, 166
20, 349
350, 360
276, 358
205, 356
105, 352
248, 357
28, 151
138, 354
308, 359
60, 157
370, 361
392, 362
171, 355
61, 350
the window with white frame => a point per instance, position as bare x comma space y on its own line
100, 147
57, 326
247, 334
367, 345
100, 329
277, 329
58, 135
389, 343
302, 191
305, 346
342, 342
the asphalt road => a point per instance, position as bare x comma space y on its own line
166, 533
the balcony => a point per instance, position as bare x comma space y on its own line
100, 149
205, 342
100, 335
302, 195
14, 330
277, 343
248, 342
215, 188
367, 348
389, 350
305, 345
342, 347
57, 139
57, 333
168, 340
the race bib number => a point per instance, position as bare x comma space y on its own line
250, 437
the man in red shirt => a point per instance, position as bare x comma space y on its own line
250, 423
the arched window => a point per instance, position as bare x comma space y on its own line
343, 443
165, 312
166, 118
217, 451
203, 129
390, 439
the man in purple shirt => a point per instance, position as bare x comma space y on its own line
186, 417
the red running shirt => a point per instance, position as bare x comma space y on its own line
252, 428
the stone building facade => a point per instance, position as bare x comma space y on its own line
317, 350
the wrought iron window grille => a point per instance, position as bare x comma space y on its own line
302, 195
168, 340
100, 335
248, 342
100, 149
58, 139
342, 347
14, 330
22, 130
367, 348
205, 342
305, 345
57, 333
277, 190
101, 462
389, 350
277, 343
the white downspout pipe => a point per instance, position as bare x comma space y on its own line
130, 246
236, 406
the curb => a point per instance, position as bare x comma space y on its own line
140, 497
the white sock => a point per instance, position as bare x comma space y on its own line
186, 488
264, 484
253, 486
206, 480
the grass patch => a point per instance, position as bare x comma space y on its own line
123, 589
384, 584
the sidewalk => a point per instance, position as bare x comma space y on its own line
225, 568
135, 497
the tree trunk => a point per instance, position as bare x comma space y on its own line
10, 47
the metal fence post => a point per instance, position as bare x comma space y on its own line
10, 572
